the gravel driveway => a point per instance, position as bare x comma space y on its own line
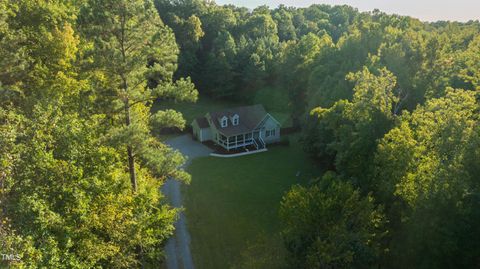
177, 249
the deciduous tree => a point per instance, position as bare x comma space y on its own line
330, 225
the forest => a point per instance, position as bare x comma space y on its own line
388, 104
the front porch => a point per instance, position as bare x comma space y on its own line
241, 141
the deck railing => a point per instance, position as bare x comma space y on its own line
236, 144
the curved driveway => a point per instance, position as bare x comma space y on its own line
177, 249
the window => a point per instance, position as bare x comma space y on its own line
269, 133
224, 122
235, 119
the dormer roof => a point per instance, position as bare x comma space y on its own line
235, 119
223, 121
249, 118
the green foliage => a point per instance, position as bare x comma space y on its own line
73, 72
284, 20
260, 26
469, 65
330, 225
299, 59
168, 119
242, 52
78, 80
362, 76
347, 132
70, 201
370, 81
424, 169
131, 45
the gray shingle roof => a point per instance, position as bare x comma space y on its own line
250, 117
202, 122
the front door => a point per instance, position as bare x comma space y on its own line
256, 134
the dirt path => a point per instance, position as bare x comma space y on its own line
177, 249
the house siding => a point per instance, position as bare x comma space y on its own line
196, 131
213, 130
268, 125
206, 134
201, 134
213, 133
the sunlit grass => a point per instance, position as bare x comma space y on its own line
232, 205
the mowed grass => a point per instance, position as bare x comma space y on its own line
232, 206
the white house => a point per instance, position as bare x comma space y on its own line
238, 127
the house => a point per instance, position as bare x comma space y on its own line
238, 127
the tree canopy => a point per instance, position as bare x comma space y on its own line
70, 70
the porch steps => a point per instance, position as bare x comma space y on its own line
259, 143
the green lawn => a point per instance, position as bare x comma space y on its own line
232, 206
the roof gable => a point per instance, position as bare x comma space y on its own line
265, 119
249, 118
202, 122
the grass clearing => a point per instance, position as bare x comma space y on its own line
232, 206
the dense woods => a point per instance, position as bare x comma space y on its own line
388, 104
80, 169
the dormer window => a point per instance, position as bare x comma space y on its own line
224, 121
235, 119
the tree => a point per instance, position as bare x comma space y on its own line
425, 173
299, 58
260, 25
284, 20
348, 131
330, 225
131, 45
70, 203
66, 198
469, 62
218, 72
